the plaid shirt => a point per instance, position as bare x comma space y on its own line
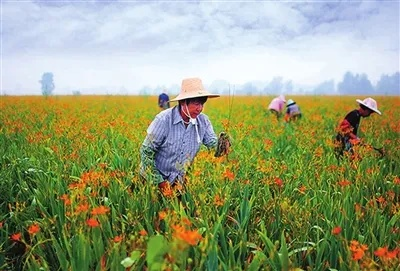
169, 147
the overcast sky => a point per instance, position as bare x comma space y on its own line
114, 44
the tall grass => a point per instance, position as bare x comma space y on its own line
71, 199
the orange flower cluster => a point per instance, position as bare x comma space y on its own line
302, 189
268, 144
118, 239
66, 199
229, 175
82, 208
336, 230
101, 210
218, 201
385, 254
33, 229
92, 222
188, 236
344, 183
278, 182
167, 190
389, 259
162, 215
92, 177
95, 178
357, 250
16, 237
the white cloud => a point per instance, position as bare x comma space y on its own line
87, 44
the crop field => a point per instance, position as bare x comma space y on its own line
71, 197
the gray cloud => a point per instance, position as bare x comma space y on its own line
103, 41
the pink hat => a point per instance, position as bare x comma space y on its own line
371, 104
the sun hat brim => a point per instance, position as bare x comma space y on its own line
373, 109
184, 96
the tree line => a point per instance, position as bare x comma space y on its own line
352, 83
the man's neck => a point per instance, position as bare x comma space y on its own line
183, 115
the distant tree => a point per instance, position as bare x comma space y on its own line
288, 87
355, 84
249, 89
123, 91
146, 90
47, 83
274, 87
326, 87
76, 93
364, 85
219, 86
389, 84
348, 83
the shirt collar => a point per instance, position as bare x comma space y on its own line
176, 116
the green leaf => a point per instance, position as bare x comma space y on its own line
212, 259
156, 248
283, 253
49, 150
127, 262
135, 255
258, 260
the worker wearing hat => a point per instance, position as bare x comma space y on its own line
163, 101
175, 135
348, 129
293, 111
276, 106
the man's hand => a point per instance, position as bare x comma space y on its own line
224, 145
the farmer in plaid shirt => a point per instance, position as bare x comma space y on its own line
174, 137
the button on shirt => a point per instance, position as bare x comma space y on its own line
169, 147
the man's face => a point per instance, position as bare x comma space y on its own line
194, 107
366, 112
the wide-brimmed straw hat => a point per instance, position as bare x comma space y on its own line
193, 88
371, 104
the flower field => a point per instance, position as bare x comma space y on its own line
71, 199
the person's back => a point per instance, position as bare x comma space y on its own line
293, 111
276, 105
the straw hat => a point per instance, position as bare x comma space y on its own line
371, 104
290, 102
193, 88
